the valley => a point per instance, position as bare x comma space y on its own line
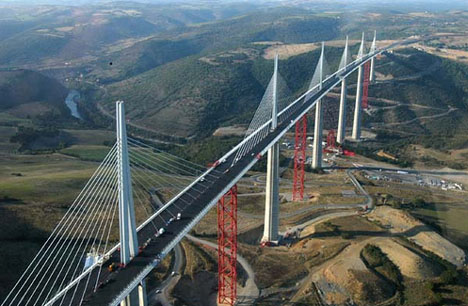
192, 76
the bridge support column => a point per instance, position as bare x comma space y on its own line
135, 298
318, 128
341, 135
142, 296
357, 108
270, 231
318, 131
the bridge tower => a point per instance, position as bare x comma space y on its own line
270, 233
341, 135
127, 224
318, 128
358, 107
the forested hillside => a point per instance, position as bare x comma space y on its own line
29, 93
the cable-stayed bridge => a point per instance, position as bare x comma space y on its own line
98, 256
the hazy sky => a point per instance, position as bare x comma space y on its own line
420, 4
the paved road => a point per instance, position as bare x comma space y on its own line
250, 291
160, 293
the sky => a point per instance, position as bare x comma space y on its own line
420, 4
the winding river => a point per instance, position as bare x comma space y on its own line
70, 101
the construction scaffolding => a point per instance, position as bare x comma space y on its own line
227, 248
299, 159
365, 90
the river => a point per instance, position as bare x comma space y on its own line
70, 101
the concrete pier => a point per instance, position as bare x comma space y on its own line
357, 109
270, 231
341, 134
318, 130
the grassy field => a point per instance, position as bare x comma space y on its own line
87, 152
91, 137
38, 179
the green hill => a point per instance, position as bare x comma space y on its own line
286, 25
195, 95
27, 93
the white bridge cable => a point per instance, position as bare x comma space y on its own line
142, 162
110, 206
345, 58
80, 238
111, 218
116, 205
140, 201
139, 183
109, 198
76, 239
72, 241
321, 72
169, 171
159, 160
55, 261
146, 186
153, 180
58, 232
264, 112
175, 159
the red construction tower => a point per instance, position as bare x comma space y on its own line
365, 90
299, 159
331, 146
227, 248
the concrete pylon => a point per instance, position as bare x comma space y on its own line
270, 231
357, 109
373, 48
341, 134
318, 128
137, 297
127, 225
